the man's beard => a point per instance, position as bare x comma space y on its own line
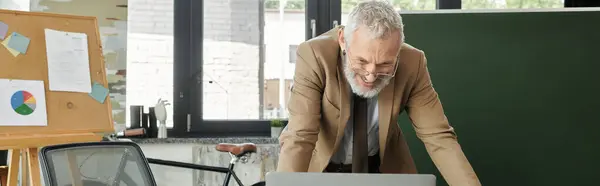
350, 75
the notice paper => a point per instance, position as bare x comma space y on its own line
99, 92
12, 51
19, 42
68, 61
22, 103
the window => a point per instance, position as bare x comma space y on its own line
231, 49
292, 52
232, 64
21, 5
511, 4
234, 35
150, 55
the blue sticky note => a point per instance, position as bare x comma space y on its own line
99, 92
19, 42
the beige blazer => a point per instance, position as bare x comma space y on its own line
319, 108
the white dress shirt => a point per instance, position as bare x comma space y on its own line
344, 153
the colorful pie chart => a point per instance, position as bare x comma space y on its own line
23, 102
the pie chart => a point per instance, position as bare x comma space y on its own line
23, 102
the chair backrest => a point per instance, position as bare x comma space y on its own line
95, 164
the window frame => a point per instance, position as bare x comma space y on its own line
448, 4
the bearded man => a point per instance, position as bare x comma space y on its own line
350, 85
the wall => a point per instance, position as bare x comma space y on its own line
112, 22
534, 99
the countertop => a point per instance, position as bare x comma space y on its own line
205, 140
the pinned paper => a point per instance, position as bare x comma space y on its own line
22, 103
3, 29
12, 51
68, 61
18, 42
99, 92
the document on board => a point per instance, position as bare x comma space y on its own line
68, 61
23, 103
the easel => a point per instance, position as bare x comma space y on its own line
72, 117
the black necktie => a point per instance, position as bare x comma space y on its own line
359, 148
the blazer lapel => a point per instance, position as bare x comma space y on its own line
386, 103
345, 91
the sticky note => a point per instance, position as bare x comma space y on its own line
18, 42
3, 29
12, 51
99, 92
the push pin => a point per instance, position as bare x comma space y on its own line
70, 105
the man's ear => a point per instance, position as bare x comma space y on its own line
341, 39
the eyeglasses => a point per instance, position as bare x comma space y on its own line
381, 71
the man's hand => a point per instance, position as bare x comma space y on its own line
299, 139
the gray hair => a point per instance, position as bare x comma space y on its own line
379, 17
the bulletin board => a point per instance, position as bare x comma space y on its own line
67, 112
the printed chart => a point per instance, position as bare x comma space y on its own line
23, 102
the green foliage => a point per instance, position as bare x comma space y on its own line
290, 4
511, 4
347, 5
276, 123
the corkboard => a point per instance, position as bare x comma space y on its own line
68, 112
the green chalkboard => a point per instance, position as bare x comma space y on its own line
522, 90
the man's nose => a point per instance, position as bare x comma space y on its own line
371, 76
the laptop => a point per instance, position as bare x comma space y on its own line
347, 179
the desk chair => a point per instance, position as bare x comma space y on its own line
95, 164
